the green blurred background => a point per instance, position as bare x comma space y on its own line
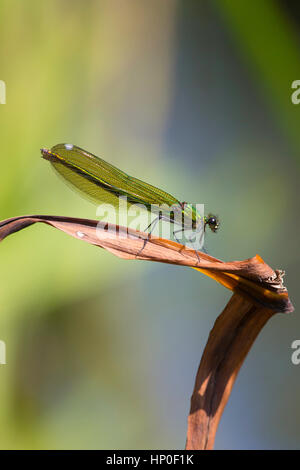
194, 97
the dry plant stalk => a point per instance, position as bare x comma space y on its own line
258, 294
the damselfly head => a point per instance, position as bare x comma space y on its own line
213, 222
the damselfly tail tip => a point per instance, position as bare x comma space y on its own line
46, 154
44, 151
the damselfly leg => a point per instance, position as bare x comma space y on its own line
151, 226
190, 240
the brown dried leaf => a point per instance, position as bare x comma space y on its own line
258, 294
252, 277
232, 336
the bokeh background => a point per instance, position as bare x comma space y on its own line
194, 97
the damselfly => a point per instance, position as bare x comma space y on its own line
104, 183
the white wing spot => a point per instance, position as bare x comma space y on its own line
80, 234
69, 146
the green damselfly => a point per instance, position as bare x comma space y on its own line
104, 183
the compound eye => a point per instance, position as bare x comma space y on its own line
212, 221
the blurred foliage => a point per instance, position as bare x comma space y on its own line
193, 97
272, 52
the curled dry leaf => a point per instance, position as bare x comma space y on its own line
258, 294
252, 277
